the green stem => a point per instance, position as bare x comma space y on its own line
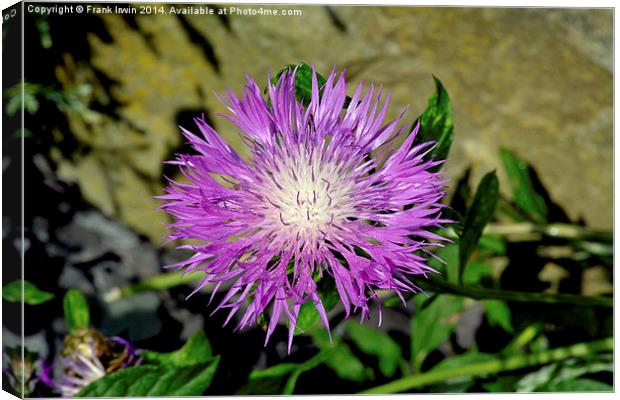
314, 362
493, 366
173, 279
443, 286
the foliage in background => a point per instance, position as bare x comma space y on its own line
185, 372
32, 295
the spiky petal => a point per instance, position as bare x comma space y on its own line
325, 194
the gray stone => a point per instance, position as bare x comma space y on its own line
468, 323
135, 315
96, 235
72, 277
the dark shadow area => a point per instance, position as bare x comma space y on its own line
201, 41
335, 20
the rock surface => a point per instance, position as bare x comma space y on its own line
536, 81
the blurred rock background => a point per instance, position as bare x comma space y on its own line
537, 81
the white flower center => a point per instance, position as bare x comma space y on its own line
307, 197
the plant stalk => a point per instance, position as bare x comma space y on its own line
173, 279
442, 286
494, 366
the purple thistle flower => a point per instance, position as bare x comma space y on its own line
89, 356
321, 184
80, 370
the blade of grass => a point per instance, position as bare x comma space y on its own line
494, 366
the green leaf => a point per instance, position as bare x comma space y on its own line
77, 315
309, 319
505, 383
522, 187
471, 357
579, 385
374, 342
478, 216
303, 81
32, 295
540, 343
271, 380
154, 380
289, 386
13, 105
462, 360
551, 375
432, 325
273, 376
498, 313
492, 244
346, 365
450, 256
342, 360
572, 369
30, 93
267, 386
436, 123
538, 378
501, 365
31, 104
475, 271
196, 350
452, 387
274, 372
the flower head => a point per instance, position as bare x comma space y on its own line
88, 356
325, 194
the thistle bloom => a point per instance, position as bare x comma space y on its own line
79, 371
88, 356
325, 194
